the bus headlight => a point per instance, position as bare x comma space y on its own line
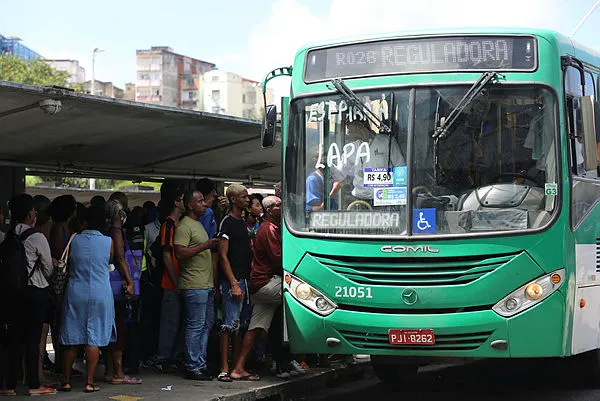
308, 296
529, 294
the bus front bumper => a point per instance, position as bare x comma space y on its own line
536, 332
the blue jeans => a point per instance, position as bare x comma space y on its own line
170, 325
199, 319
236, 314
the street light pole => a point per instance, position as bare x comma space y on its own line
93, 85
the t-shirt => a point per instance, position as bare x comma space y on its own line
208, 222
315, 191
167, 232
267, 255
195, 273
379, 147
239, 253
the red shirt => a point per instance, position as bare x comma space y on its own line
167, 231
266, 261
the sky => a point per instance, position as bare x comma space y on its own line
251, 38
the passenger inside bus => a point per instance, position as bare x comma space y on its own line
383, 152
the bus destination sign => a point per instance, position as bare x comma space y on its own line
421, 55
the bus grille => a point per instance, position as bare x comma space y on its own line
443, 342
432, 271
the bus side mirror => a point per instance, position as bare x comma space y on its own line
588, 117
269, 123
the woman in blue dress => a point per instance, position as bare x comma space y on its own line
88, 310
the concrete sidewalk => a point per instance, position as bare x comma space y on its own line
155, 386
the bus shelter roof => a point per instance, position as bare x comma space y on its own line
94, 136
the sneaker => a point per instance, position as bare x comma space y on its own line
295, 367
283, 374
166, 367
197, 375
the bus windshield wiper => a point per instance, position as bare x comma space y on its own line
443, 129
354, 100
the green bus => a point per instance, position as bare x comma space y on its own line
439, 198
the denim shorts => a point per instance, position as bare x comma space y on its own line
236, 314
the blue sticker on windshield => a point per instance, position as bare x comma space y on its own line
423, 221
400, 176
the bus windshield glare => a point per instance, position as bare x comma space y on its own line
495, 170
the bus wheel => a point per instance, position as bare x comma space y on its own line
395, 374
591, 361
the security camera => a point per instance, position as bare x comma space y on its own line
50, 106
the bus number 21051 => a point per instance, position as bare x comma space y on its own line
352, 292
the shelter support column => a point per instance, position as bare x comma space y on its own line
12, 182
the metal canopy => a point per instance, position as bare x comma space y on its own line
103, 137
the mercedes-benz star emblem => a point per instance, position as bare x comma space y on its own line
409, 296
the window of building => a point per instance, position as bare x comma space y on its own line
190, 95
243, 98
216, 95
215, 78
190, 80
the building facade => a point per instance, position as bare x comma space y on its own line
76, 72
230, 94
129, 92
13, 45
106, 89
169, 79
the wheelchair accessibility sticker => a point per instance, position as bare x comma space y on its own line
423, 221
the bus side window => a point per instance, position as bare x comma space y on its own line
574, 92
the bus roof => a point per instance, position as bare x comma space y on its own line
434, 32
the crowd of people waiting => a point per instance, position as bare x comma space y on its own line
190, 285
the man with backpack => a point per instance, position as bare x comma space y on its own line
25, 268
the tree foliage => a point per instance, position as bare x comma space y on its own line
30, 72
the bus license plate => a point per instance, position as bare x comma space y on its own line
420, 336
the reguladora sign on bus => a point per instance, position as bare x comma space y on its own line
422, 54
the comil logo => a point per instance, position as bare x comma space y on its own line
408, 249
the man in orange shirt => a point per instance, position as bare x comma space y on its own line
171, 312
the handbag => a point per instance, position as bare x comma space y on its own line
134, 260
61, 273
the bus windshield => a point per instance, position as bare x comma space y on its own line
494, 170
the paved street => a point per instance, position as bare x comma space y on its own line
483, 380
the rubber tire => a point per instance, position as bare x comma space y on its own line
590, 362
395, 374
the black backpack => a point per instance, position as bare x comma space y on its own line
14, 275
156, 272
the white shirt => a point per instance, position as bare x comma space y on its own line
37, 251
151, 232
379, 147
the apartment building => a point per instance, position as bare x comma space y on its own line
101, 88
76, 71
169, 79
230, 94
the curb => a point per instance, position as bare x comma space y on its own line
304, 385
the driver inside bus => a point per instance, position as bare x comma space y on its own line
383, 150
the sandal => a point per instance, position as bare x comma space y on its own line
46, 391
224, 377
91, 388
127, 380
250, 377
66, 387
